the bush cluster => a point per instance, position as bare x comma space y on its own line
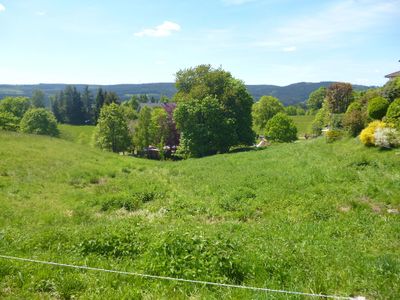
17, 113
281, 128
367, 136
386, 138
393, 113
377, 108
113, 243
381, 135
39, 121
193, 256
333, 135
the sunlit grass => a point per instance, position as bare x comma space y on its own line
307, 216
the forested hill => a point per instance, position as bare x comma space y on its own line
290, 94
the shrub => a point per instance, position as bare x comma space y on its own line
367, 136
39, 121
391, 90
393, 112
377, 108
8, 121
387, 138
354, 121
333, 135
354, 106
113, 242
17, 106
194, 256
281, 128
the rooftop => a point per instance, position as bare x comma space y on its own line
393, 75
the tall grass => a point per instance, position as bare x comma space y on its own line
303, 124
307, 216
77, 134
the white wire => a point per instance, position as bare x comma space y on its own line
177, 279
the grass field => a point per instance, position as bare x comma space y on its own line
303, 124
76, 134
306, 216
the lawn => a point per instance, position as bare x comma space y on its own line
303, 124
307, 216
78, 134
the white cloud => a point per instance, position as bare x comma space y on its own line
333, 23
2, 7
165, 29
40, 13
289, 49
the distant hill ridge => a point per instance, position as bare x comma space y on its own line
290, 94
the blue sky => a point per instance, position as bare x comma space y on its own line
259, 41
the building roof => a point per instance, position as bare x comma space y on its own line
393, 75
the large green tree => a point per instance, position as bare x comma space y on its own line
321, 120
111, 97
58, 107
142, 132
112, 131
75, 111
339, 96
159, 127
264, 110
316, 99
205, 127
88, 105
281, 128
38, 99
195, 84
17, 106
99, 102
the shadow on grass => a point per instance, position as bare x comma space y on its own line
246, 149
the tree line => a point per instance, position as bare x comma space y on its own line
212, 112
340, 110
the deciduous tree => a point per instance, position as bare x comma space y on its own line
142, 134
112, 131
205, 127
38, 99
264, 110
339, 96
17, 106
39, 121
316, 99
204, 81
281, 128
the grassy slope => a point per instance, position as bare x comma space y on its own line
303, 124
307, 216
77, 134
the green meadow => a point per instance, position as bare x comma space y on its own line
77, 134
303, 124
306, 216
